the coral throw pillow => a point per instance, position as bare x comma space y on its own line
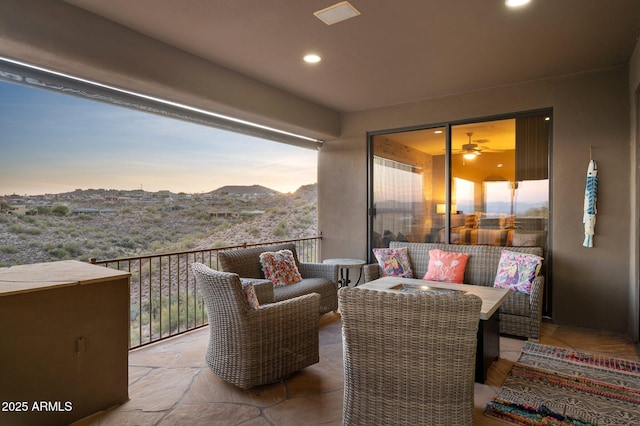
250, 293
446, 266
516, 271
394, 262
280, 267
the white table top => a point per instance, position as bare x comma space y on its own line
345, 262
491, 297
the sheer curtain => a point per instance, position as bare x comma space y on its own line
397, 192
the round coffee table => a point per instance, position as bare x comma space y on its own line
344, 265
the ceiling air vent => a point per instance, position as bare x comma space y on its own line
337, 13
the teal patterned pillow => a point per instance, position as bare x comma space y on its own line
516, 271
394, 262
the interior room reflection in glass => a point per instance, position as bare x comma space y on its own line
498, 182
405, 180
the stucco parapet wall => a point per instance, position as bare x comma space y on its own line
63, 38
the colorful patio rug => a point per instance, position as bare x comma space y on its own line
555, 386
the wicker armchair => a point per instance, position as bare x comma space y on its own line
316, 277
408, 358
250, 347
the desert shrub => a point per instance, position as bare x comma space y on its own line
281, 229
222, 227
202, 215
56, 251
127, 242
43, 210
220, 243
19, 229
28, 219
73, 248
8, 249
60, 210
188, 243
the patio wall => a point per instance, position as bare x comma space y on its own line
590, 285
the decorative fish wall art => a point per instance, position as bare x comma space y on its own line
590, 209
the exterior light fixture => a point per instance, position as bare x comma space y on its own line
516, 3
312, 58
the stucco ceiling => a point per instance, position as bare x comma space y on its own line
395, 51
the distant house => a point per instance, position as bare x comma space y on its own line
20, 210
218, 213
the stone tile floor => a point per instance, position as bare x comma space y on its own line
170, 384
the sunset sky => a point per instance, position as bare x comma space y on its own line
52, 143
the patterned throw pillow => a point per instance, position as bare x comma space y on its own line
280, 267
516, 271
250, 293
446, 266
394, 262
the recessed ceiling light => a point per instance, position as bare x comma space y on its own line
437, 132
312, 58
337, 13
516, 3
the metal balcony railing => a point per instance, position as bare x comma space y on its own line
164, 299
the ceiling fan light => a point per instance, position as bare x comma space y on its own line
469, 155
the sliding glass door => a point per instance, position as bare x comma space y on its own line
477, 182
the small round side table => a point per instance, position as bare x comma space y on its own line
344, 265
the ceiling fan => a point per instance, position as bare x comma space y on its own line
471, 150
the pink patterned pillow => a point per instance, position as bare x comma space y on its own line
394, 262
446, 266
250, 293
516, 271
280, 267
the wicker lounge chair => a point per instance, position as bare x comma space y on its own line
316, 277
250, 347
408, 358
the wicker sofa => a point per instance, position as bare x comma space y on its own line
317, 278
521, 313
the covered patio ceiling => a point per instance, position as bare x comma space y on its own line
393, 52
